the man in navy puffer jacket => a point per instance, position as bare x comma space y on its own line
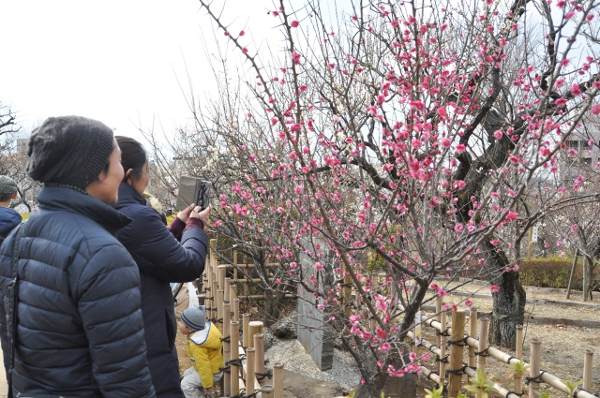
79, 324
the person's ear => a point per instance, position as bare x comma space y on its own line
14, 195
127, 177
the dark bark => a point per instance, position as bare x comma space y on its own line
509, 301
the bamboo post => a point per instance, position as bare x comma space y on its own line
221, 272
234, 366
220, 311
456, 353
246, 331
226, 349
587, 370
267, 391
235, 316
472, 333
227, 290
215, 311
232, 290
254, 327
442, 348
259, 346
250, 365
534, 368
482, 347
519, 356
278, 380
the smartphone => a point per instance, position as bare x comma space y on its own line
203, 195
193, 190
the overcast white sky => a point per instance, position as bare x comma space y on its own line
117, 61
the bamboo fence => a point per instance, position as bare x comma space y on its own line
453, 365
245, 364
244, 357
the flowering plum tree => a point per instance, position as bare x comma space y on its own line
401, 139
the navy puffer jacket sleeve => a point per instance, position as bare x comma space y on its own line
156, 250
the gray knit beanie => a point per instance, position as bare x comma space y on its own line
194, 318
8, 186
69, 150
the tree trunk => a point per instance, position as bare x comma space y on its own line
509, 301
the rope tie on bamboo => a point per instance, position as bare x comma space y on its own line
262, 376
225, 369
536, 379
513, 393
226, 339
461, 343
251, 395
484, 353
236, 362
443, 360
444, 333
457, 372
509, 359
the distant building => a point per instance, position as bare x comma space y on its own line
22, 144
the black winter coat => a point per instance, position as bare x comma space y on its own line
161, 260
80, 328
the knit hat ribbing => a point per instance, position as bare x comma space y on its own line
69, 150
194, 318
8, 186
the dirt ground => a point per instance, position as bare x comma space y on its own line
563, 347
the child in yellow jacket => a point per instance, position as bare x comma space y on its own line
205, 350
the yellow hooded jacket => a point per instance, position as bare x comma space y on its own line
205, 350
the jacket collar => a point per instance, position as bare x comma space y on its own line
64, 199
128, 196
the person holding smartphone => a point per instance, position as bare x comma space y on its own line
163, 255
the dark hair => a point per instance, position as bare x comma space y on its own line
133, 156
7, 197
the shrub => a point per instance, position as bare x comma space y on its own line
555, 272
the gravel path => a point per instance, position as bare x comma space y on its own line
295, 359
